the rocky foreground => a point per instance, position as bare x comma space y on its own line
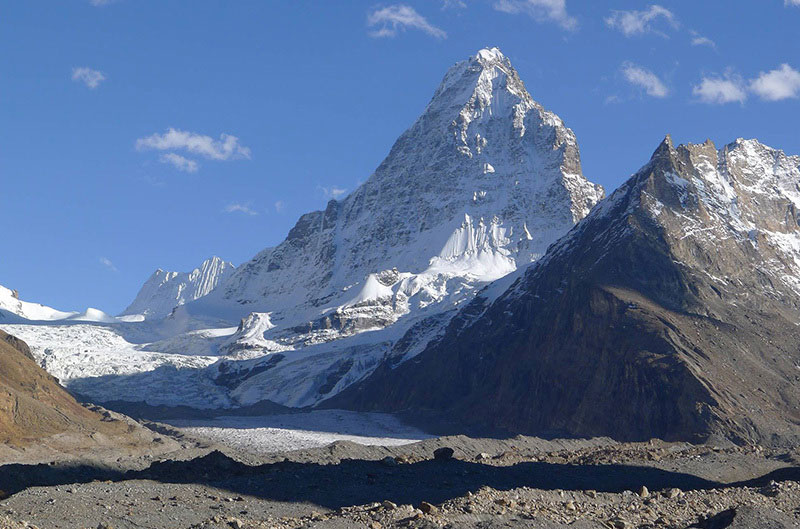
446, 482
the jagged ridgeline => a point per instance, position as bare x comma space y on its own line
672, 310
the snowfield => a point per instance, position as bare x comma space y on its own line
280, 433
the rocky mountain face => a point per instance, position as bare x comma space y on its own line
164, 290
672, 310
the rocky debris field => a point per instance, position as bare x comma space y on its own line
444, 482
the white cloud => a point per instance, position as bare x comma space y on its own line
454, 3
225, 148
645, 79
279, 206
791, 2
179, 162
721, 90
392, 19
98, 3
240, 208
703, 41
91, 78
700, 40
632, 23
775, 85
333, 192
105, 261
540, 10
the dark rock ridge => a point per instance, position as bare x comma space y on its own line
670, 311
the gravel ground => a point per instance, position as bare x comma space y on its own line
487, 483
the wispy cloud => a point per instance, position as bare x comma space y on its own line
153, 181
540, 10
279, 206
775, 85
645, 79
333, 192
91, 78
105, 261
226, 148
98, 3
240, 208
390, 20
729, 88
700, 40
791, 2
179, 162
460, 4
633, 22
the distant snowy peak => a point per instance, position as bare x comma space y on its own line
11, 306
165, 290
13, 309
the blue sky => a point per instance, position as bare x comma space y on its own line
277, 106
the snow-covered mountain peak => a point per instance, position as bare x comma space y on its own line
478, 186
476, 89
490, 55
165, 290
474, 72
483, 150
